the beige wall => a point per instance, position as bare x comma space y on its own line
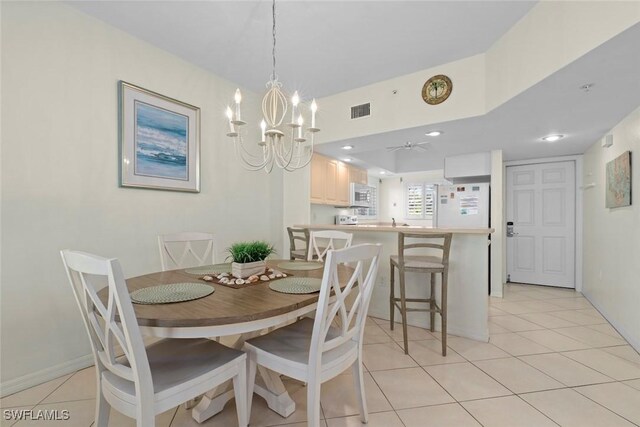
405, 108
612, 236
550, 36
60, 70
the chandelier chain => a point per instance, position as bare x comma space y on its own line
273, 32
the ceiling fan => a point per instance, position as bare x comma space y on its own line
409, 146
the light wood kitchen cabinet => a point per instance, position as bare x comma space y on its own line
330, 181
343, 184
318, 173
358, 176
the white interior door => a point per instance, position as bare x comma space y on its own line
541, 203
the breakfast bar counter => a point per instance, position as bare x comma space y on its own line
468, 274
417, 229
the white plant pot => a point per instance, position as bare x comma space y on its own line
244, 270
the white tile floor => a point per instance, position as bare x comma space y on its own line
552, 360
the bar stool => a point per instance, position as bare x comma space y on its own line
301, 234
422, 264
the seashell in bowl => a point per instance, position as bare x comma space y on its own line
240, 281
207, 278
264, 278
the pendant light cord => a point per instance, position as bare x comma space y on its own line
273, 52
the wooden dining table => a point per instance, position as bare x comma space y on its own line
245, 311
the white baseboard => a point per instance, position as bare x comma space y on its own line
35, 378
622, 331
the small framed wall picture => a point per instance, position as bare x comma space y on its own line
618, 185
159, 141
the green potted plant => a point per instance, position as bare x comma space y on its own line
248, 258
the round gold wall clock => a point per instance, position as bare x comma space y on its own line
437, 89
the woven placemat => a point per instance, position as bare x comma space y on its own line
297, 285
300, 265
209, 269
174, 292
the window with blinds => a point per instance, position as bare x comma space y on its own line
419, 200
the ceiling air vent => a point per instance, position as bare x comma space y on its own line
362, 110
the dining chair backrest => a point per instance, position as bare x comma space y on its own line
111, 323
332, 301
301, 234
331, 236
189, 249
442, 242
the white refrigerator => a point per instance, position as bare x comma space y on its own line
463, 206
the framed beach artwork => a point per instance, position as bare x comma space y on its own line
618, 185
159, 141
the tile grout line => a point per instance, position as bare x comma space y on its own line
567, 385
608, 409
597, 370
538, 410
173, 418
440, 385
387, 399
505, 386
382, 391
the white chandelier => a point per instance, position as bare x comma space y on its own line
283, 144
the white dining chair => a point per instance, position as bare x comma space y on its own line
188, 249
313, 350
144, 381
318, 252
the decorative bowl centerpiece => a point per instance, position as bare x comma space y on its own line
248, 258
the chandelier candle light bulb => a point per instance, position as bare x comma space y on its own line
230, 117
300, 122
238, 99
295, 100
263, 126
314, 108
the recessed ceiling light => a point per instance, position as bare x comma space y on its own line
347, 147
382, 172
346, 159
552, 138
434, 133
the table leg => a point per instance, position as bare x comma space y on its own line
274, 392
270, 389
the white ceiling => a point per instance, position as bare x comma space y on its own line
554, 105
324, 47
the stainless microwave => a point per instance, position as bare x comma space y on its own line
361, 196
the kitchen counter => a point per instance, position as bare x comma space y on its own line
418, 229
468, 274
